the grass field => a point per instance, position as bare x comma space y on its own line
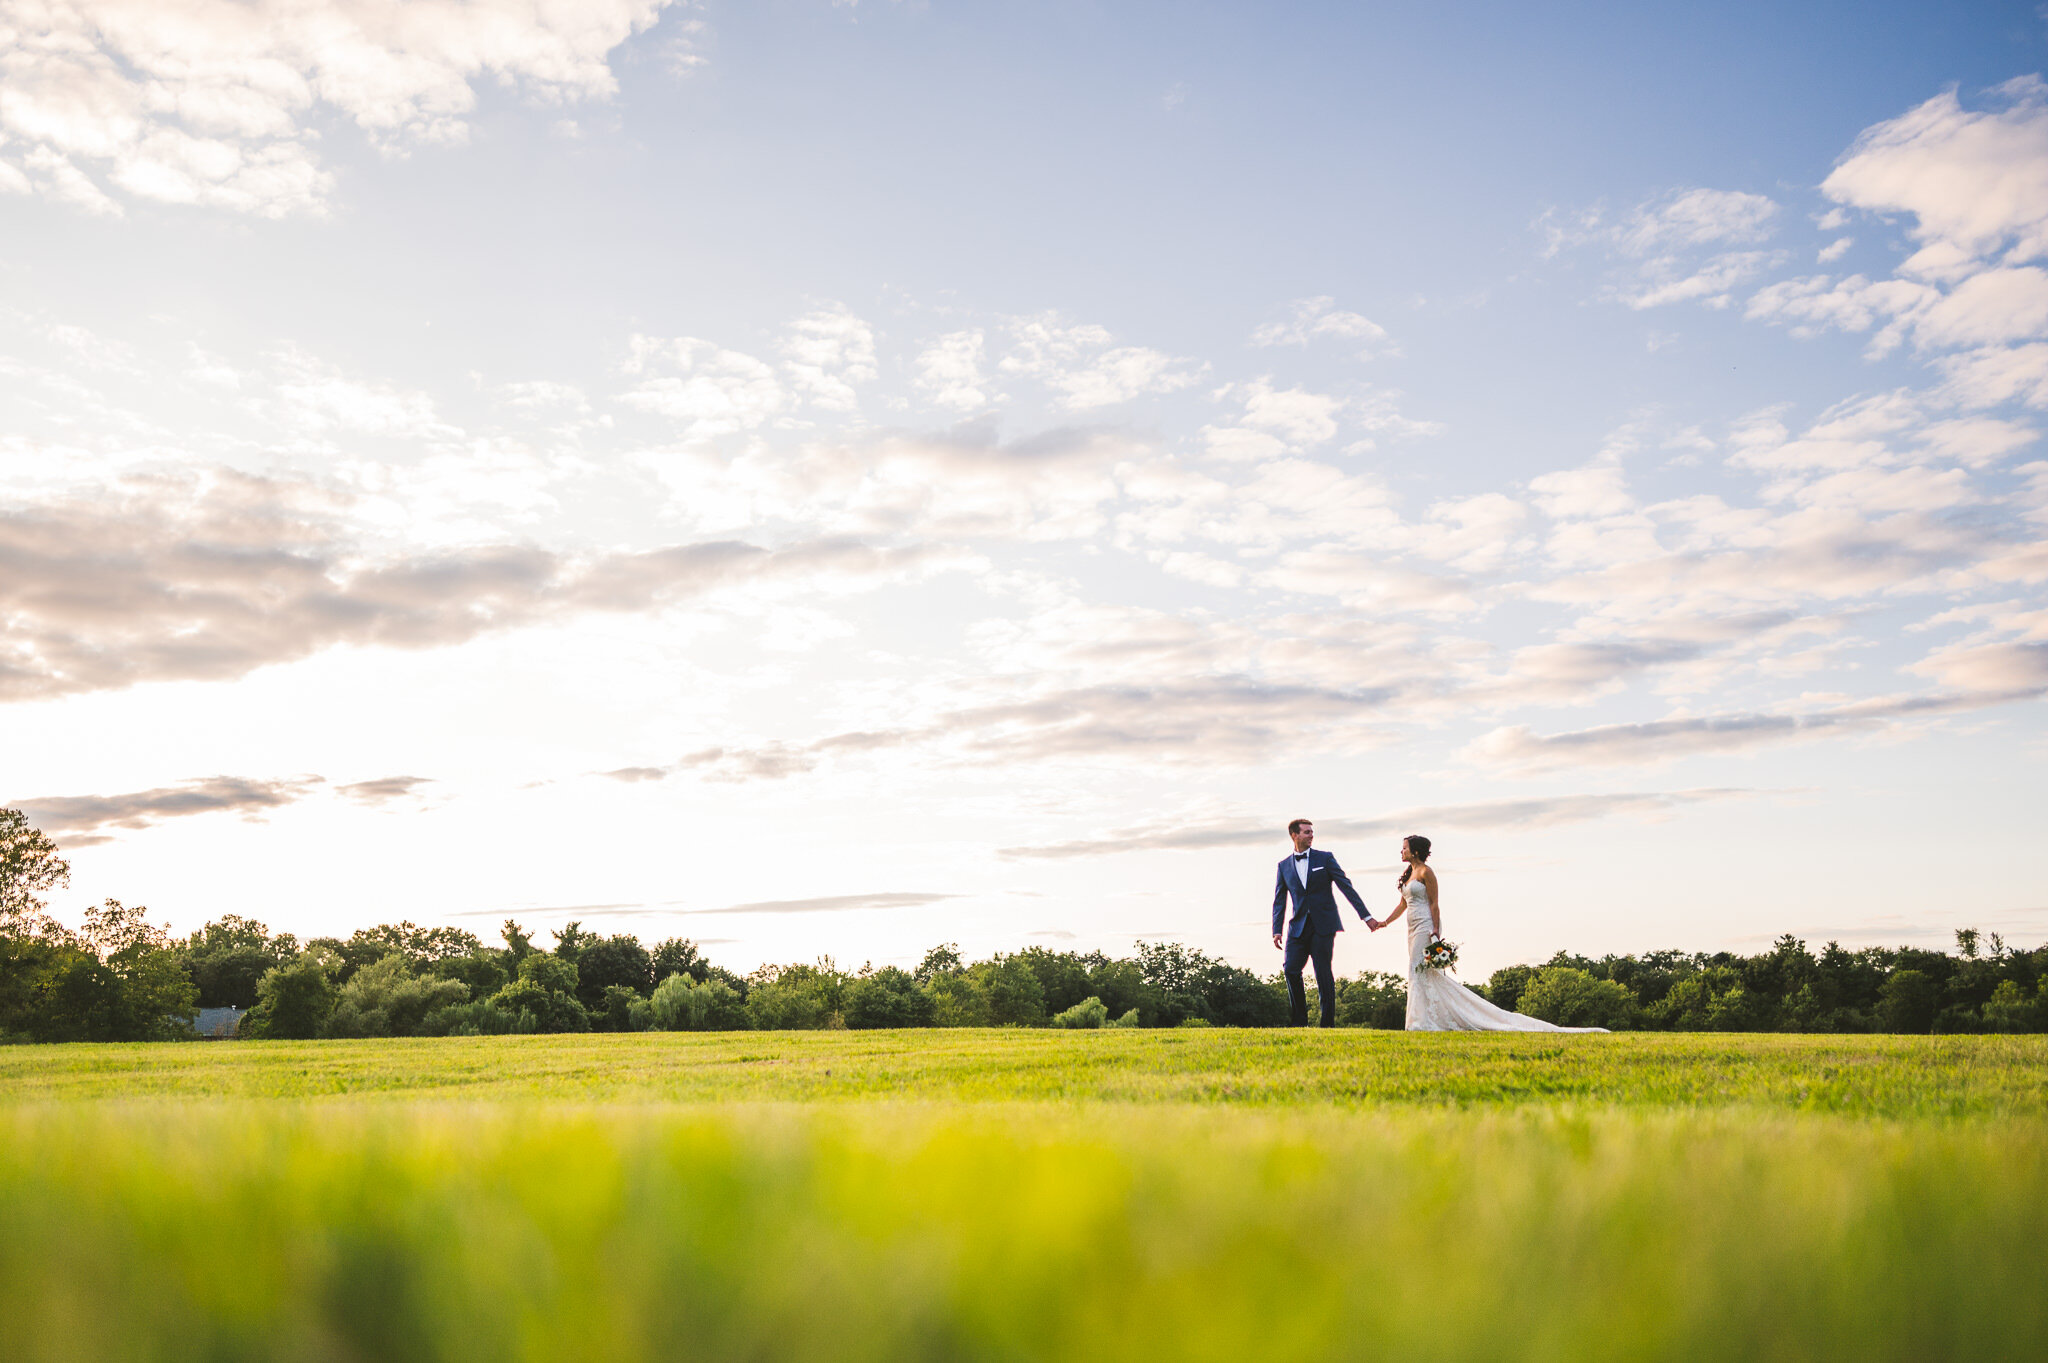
1027, 1195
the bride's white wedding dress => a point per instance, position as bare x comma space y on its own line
1438, 1003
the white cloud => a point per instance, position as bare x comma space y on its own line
1694, 217
949, 371
1676, 245
1975, 183
1083, 366
314, 398
1313, 318
712, 391
827, 353
1664, 280
214, 102
1976, 187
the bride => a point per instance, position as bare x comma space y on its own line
1436, 1002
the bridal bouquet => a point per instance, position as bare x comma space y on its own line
1439, 954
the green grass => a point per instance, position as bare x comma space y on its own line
1861, 1076
1005, 1195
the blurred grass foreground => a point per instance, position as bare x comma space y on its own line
1030, 1221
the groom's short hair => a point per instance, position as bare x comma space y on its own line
1294, 825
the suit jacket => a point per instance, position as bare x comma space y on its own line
1313, 901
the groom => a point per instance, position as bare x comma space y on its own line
1308, 876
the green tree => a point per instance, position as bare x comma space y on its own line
518, 943
2010, 1010
887, 998
681, 1004
536, 1008
293, 1000
552, 973
1088, 1014
959, 1001
1908, 1001
614, 1011
605, 963
1015, 997
941, 960
1571, 997
364, 946
571, 940
228, 956
680, 956
1376, 998
29, 866
1063, 977
1504, 989
796, 997
483, 970
385, 998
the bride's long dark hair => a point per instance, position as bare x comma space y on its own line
1418, 845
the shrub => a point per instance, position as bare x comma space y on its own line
795, 997
550, 972
1014, 994
613, 961
385, 998
1088, 1013
958, 1001
615, 1010
540, 1010
2010, 1010
681, 1004
1504, 989
1571, 997
887, 998
1129, 1019
483, 971
293, 1000
1377, 998
1907, 1002
1237, 998
482, 1018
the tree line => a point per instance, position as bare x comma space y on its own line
116, 977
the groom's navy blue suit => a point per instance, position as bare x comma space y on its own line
1314, 928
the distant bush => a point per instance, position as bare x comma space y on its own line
1015, 994
293, 999
888, 998
1129, 1019
795, 997
385, 998
536, 1009
614, 1011
482, 1018
1088, 1013
1907, 1002
959, 1001
681, 1004
1376, 998
1574, 998
2010, 1010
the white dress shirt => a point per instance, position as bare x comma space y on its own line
1301, 868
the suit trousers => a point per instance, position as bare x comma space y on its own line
1312, 945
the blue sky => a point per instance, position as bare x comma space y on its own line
837, 478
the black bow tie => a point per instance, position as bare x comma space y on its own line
1299, 855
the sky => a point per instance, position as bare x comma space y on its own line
836, 478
